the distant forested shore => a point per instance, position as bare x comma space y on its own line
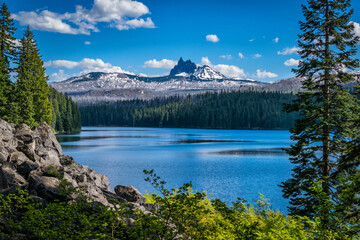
65, 113
219, 110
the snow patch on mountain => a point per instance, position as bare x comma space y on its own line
207, 73
183, 74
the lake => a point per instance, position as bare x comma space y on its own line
226, 163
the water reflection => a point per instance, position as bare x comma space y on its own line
114, 130
72, 138
268, 151
194, 135
187, 141
210, 159
84, 147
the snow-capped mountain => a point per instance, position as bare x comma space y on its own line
185, 78
189, 69
207, 73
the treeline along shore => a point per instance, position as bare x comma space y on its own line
219, 110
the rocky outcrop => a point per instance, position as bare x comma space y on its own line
183, 67
32, 159
129, 193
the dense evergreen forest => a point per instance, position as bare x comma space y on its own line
65, 113
224, 110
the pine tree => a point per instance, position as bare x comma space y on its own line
326, 110
7, 53
32, 89
348, 207
41, 90
23, 84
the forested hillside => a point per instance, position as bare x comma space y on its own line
65, 113
225, 110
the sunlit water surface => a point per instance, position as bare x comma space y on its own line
226, 163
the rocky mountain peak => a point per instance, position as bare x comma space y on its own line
182, 66
189, 69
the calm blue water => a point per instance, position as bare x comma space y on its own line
226, 163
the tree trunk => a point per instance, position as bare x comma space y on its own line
326, 133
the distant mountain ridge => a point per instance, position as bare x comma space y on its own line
185, 78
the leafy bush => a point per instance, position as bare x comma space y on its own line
177, 214
192, 215
60, 220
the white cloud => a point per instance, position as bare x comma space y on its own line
289, 51
62, 64
165, 64
227, 56
46, 21
17, 42
257, 56
251, 40
241, 55
87, 43
108, 10
356, 29
122, 14
212, 38
291, 62
136, 23
264, 74
276, 40
206, 61
59, 76
86, 65
230, 71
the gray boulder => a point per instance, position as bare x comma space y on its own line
130, 194
45, 187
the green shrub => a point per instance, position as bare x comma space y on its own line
179, 214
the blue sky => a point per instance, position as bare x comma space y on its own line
240, 38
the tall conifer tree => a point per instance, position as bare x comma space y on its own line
32, 89
7, 53
326, 109
23, 84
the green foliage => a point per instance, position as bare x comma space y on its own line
60, 220
32, 90
224, 110
7, 53
177, 214
66, 115
323, 186
191, 215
